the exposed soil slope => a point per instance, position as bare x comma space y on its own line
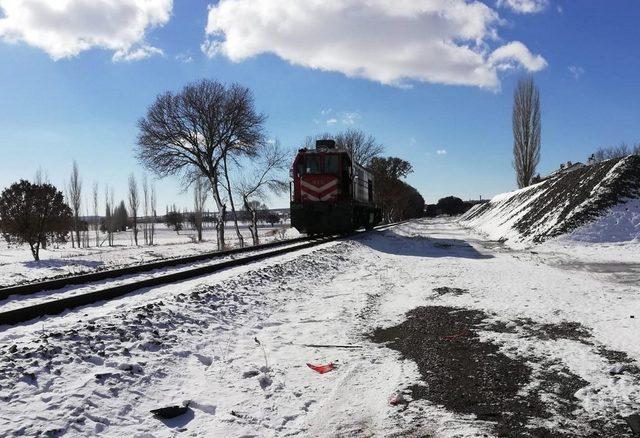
560, 204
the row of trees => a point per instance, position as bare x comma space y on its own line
117, 216
178, 221
620, 151
397, 199
37, 214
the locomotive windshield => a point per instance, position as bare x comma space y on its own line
309, 165
331, 164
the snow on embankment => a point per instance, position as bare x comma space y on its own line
600, 202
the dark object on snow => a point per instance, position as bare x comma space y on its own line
330, 346
322, 368
634, 423
618, 369
170, 411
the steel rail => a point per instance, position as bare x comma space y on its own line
58, 283
53, 307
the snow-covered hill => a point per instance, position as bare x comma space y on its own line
597, 203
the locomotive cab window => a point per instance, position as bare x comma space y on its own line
331, 164
309, 165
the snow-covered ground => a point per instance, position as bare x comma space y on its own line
235, 345
595, 203
618, 224
17, 265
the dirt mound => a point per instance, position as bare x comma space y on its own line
560, 204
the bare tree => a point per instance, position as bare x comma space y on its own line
227, 186
620, 151
108, 210
75, 198
527, 127
264, 177
153, 203
199, 199
41, 176
96, 220
134, 204
363, 147
191, 132
145, 196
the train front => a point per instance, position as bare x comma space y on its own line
320, 192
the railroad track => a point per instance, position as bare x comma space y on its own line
59, 305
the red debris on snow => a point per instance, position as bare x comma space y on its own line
396, 399
464, 332
322, 368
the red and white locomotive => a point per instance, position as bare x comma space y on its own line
331, 193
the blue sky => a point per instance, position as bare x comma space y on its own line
77, 90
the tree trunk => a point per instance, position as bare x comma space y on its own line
135, 230
77, 228
233, 207
35, 251
222, 209
199, 226
253, 226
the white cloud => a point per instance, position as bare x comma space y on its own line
210, 47
436, 41
441, 152
185, 58
330, 117
524, 6
576, 71
350, 118
65, 28
513, 54
136, 53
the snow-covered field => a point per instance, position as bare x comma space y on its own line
235, 345
17, 265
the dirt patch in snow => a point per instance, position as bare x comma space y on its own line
450, 291
517, 397
551, 332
